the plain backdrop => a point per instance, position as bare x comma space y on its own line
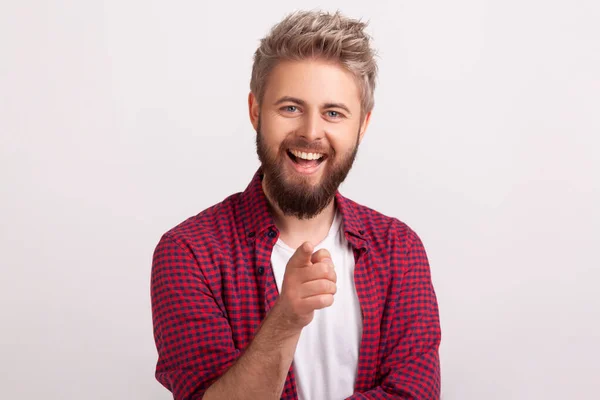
120, 119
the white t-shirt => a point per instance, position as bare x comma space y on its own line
326, 359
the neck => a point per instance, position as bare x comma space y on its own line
294, 231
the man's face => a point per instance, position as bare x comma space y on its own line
308, 131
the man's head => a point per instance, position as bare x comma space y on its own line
310, 103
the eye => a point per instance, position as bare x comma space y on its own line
291, 109
334, 114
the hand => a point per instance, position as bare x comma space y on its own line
309, 284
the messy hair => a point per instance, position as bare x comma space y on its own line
316, 34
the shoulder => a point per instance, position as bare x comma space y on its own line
206, 229
383, 229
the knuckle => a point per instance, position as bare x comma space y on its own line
322, 301
324, 269
327, 300
326, 286
333, 276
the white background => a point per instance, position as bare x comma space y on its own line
120, 119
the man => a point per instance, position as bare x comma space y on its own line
290, 290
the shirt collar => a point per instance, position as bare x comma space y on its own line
257, 219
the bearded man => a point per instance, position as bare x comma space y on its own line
289, 290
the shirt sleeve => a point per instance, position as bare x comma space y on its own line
192, 335
410, 367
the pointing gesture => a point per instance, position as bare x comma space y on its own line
309, 284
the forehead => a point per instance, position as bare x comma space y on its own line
313, 81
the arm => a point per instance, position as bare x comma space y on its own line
261, 371
194, 339
308, 285
197, 355
410, 367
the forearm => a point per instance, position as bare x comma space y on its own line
260, 372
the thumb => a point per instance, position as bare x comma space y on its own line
302, 255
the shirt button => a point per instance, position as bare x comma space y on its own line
261, 270
251, 234
272, 234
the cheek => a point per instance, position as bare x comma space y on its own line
276, 128
343, 141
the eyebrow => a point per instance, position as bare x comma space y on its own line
290, 99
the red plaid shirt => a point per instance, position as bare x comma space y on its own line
212, 285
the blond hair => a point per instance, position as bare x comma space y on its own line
316, 34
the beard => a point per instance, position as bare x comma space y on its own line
296, 195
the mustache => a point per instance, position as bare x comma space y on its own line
301, 144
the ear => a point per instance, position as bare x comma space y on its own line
253, 110
364, 126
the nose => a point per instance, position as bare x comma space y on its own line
312, 127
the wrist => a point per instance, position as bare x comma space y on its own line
281, 324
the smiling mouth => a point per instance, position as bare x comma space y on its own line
305, 159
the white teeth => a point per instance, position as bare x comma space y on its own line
306, 156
